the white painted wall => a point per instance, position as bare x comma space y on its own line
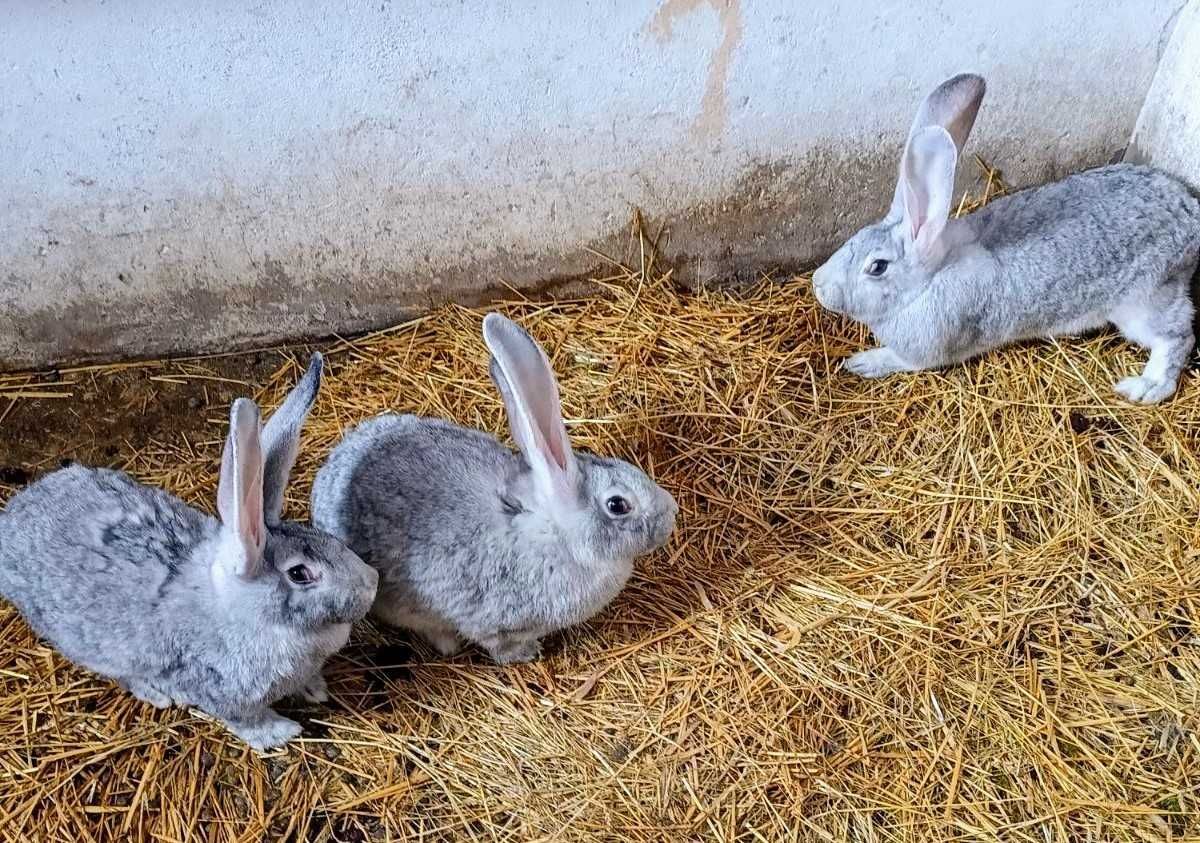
1167, 134
177, 177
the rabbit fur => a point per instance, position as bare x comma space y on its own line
1116, 244
473, 541
180, 607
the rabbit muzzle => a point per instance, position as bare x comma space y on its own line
825, 289
664, 525
352, 605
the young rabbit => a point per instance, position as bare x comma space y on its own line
474, 541
178, 607
1116, 244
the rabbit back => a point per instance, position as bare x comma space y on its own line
416, 499
117, 576
423, 501
102, 567
351, 500
1072, 251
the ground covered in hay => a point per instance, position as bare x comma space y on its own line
939, 606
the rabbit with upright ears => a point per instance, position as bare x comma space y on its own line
473, 541
1117, 244
225, 615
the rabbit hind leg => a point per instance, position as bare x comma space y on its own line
1162, 323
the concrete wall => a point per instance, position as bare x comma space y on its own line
180, 177
1167, 134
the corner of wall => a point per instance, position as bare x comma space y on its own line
1167, 134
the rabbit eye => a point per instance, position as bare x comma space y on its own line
300, 575
617, 505
877, 267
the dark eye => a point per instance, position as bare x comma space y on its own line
877, 267
617, 505
300, 575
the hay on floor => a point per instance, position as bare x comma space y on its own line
955, 605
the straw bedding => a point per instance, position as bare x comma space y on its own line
956, 605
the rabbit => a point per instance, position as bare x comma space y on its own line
179, 607
1114, 244
474, 542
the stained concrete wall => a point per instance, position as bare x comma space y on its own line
1167, 134
182, 177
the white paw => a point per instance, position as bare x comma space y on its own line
315, 690
1143, 390
446, 643
149, 694
873, 363
516, 652
269, 733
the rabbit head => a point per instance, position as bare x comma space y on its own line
605, 508
282, 571
886, 264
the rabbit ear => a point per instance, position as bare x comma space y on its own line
240, 492
927, 183
952, 105
281, 438
526, 382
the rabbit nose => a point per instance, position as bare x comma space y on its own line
666, 523
823, 293
672, 507
820, 277
664, 533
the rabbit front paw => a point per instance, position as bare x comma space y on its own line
446, 642
147, 693
1144, 390
505, 650
315, 690
876, 363
266, 731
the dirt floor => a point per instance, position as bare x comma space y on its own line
955, 605
98, 414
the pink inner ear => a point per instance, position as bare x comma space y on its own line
535, 386
912, 208
531, 394
252, 509
547, 422
559, 456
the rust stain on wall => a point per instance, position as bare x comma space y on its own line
714, 106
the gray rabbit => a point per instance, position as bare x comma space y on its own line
473, 541
1116, 244
227, 616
